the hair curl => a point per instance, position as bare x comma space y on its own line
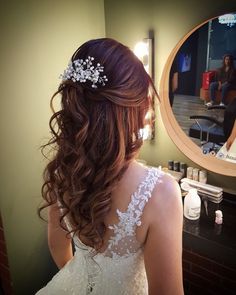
96, 134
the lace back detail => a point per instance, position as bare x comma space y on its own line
123, 242
118, 270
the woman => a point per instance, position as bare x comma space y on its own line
125, 219
225, 77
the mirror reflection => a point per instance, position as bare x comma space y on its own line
202, 87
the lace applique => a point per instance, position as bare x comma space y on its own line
118, 270
129, 220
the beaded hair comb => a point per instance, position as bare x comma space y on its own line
83, 70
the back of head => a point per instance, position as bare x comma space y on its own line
105, 95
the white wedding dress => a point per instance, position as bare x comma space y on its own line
118, 270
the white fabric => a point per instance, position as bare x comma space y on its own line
120, 268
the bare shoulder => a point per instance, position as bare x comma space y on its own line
163, 245
166, 201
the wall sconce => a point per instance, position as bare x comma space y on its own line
144, 50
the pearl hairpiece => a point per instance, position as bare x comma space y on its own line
82, 70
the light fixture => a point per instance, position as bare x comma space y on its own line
146, 132
143, 50
228, 19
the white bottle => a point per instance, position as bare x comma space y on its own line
192, 205
219, 217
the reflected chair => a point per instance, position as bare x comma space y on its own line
209, 129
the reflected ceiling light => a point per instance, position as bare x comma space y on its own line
228, 19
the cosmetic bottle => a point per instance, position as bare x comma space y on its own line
203, 176
190, 172
195, 174
176, 166
219, 217
183, 169
171, 165
192, 205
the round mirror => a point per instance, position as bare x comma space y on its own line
192, 109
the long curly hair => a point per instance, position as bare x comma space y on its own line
95, 136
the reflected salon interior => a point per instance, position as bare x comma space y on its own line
187, 139
197, 65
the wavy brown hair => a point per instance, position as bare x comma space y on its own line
95, 136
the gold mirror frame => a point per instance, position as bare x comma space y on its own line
181, 140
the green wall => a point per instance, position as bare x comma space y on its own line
129, 22
37, 40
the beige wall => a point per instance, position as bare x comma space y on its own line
129, 22
37, 40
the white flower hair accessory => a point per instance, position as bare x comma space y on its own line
83, 70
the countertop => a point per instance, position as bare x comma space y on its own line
207, 238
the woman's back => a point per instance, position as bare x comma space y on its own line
118, 268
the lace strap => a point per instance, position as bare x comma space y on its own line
131, 218
140, 198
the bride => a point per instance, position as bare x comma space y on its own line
114, 225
